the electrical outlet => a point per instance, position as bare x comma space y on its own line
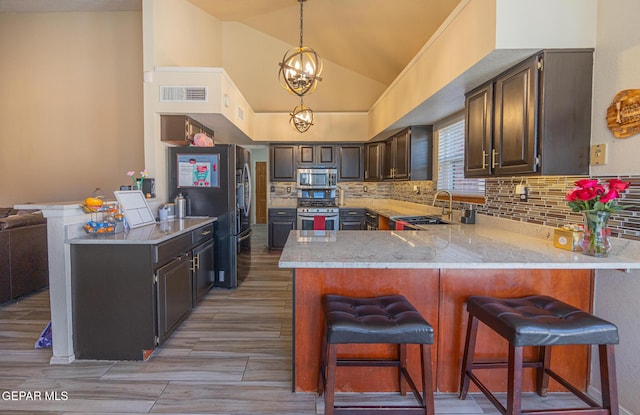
598, 154
288, 189
524, 196
365, 189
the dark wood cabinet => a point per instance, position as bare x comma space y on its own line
407, 155
316, 154
350, 162
281, 222
283, 162
203, 270
174, 295
353, 219
538, 120
478, 131
129, 297
373, 161
180, 129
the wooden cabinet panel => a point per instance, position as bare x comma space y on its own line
350, 162
440, 296
478, 132
514, 120
353, 219
574, 287
408, 155
373, 161
281, 222
180, 129
316, 154
538, 119
283, 163
419, 286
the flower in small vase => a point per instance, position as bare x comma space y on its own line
596, 201
137, 183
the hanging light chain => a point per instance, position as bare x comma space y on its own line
301, 27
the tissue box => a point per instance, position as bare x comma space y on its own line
567, 239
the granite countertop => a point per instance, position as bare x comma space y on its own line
444, 246
148, 234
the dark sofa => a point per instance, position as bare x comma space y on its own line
24, 265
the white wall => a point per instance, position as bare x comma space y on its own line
617, 59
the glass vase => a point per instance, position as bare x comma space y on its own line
595, 241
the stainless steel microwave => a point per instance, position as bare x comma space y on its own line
317, 178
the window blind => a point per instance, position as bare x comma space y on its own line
451, 161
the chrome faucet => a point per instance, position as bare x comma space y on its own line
450, 212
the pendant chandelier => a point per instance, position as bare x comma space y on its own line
300, 67
301, 117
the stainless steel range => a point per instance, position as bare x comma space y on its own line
317, 209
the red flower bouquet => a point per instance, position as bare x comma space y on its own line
596, 201
590, 194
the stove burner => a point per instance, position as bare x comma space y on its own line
316, 203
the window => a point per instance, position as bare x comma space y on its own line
451, 159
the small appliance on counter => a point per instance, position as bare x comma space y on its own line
468, 216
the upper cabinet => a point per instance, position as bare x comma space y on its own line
283, 162
286, 158
316, 154
533, 119
180, 129
350, 162
406, 155
373, 161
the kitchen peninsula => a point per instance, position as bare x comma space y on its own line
437, 268
131, 290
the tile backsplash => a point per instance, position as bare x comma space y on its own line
545, 205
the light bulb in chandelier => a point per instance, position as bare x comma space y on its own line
301, 117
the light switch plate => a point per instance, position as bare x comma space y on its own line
598, 154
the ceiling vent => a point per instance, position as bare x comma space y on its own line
183, 94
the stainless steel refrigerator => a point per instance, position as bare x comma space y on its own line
216, 181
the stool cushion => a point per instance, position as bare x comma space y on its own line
540, 320
386, 319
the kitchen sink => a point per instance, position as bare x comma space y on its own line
419, 220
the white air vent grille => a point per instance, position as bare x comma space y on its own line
183, 93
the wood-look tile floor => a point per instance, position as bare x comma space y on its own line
231, 356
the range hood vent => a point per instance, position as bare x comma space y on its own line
183, 94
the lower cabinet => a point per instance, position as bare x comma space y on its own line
128, 298
281, 222
202, 270
353, 219
174, 295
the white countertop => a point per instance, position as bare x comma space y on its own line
445, 246
148, 234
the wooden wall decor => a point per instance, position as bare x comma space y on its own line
623, 115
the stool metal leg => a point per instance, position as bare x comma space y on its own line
467, 359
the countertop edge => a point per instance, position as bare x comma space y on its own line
89, 239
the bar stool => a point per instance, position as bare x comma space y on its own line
544, 322
390, 319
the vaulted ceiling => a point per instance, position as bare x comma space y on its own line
367, 43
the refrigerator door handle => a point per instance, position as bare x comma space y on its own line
248, 190
246, 236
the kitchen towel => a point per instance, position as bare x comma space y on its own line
319, 223
400, 225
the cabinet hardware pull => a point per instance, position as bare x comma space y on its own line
195, 263
205, 233
494, 153
484, 157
